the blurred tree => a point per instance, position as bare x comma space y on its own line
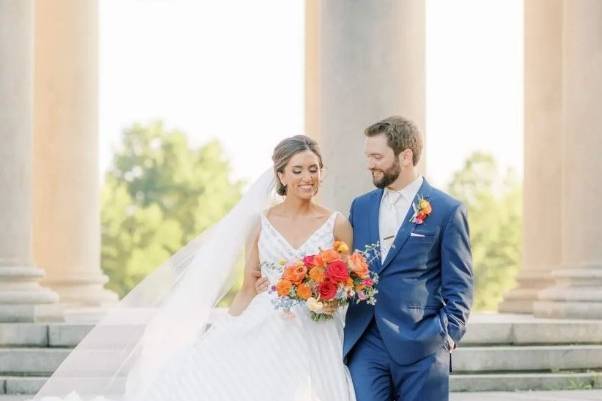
494, 212
158, 195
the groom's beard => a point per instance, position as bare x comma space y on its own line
389, 175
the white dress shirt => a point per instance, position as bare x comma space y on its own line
394, 207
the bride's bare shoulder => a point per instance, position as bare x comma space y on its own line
273, 210
322, 211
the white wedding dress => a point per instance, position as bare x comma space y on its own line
263, 354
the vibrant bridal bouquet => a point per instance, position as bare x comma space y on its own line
326, 281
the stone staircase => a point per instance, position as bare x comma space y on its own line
499, 353
30, 352
503, 352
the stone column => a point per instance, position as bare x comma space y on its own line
21, 297
577, 292
66, 199
542, 191
364, 61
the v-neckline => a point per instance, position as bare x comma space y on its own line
287, 242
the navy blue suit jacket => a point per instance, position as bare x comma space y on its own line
426, 281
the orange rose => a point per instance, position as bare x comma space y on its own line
289, 272
304, 291
358, 264
349, 282
283, 287
317, 274
295, 273
329, 255
318, 261
299, 273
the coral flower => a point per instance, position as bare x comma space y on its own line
283, 287
317, 274
358, 264
304, 291
329, 255
295, 273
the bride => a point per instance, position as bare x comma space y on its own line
179, 349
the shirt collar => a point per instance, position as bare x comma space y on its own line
408, 192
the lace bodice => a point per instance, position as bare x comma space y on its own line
273, 247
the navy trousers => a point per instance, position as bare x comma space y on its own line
376, 377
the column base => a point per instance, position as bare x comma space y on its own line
78, 291
22, 299
522, 298
577, 294
20, 313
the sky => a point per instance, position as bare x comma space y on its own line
233, 70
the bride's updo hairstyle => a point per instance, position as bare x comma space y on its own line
286, 149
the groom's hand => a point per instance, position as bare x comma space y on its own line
451, 344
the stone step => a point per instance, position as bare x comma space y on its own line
42, 335
527, 358
21, 385
31, 361
566, 395
483, 329
525, 381
33, 384
500, 329
458, 383
44, 361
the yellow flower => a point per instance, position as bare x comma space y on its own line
341, 247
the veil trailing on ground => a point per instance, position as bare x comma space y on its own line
165, 313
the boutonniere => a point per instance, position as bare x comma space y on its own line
422, 210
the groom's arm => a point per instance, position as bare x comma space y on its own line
456, 273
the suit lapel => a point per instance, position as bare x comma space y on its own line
407, 227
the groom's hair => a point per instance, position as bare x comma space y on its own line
401, 134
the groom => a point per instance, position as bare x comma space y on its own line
400, 349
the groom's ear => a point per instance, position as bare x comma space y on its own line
406, 158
